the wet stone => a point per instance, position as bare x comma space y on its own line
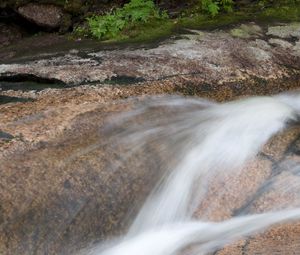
214, 57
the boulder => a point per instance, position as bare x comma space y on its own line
44, 15
62, 194
271, 182
62, 188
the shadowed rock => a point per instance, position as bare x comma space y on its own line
9, 34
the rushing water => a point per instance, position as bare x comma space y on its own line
200, 140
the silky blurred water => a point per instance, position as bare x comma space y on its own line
199, 140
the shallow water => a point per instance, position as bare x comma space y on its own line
200, 141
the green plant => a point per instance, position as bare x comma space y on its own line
132, 13
213, 7
81, 31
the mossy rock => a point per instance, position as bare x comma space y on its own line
246, 31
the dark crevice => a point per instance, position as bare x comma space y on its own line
27, 82
5, 136
29, 77
124, 80
294, 147
11, 17
9, 99
267, 157
244, 209
245, 246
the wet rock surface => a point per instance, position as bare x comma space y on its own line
57, 173
269, 183
60, 189
209, 57
60, 195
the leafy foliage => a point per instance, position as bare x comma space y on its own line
213, 7
132, 13
141, 20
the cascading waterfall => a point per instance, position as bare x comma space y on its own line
200, 140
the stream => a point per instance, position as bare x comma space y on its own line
186, 145
208, 141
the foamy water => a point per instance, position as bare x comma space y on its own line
201, 140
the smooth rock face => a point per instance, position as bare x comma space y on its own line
62, 190
270, 183
61, 195
44, 15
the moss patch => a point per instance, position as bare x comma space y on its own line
281, 13
159, 29
148, 32
191, 17
246, 31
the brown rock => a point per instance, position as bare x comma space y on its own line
211, 59
44, 15
60, 195
229, 192
279, 144
279, 189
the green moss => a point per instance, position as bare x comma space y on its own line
281, 13
153, 30
245, 31
289, 11
157, 29
149, 32
202, 21
237, 32
136, 13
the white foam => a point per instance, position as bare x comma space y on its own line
217, 137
